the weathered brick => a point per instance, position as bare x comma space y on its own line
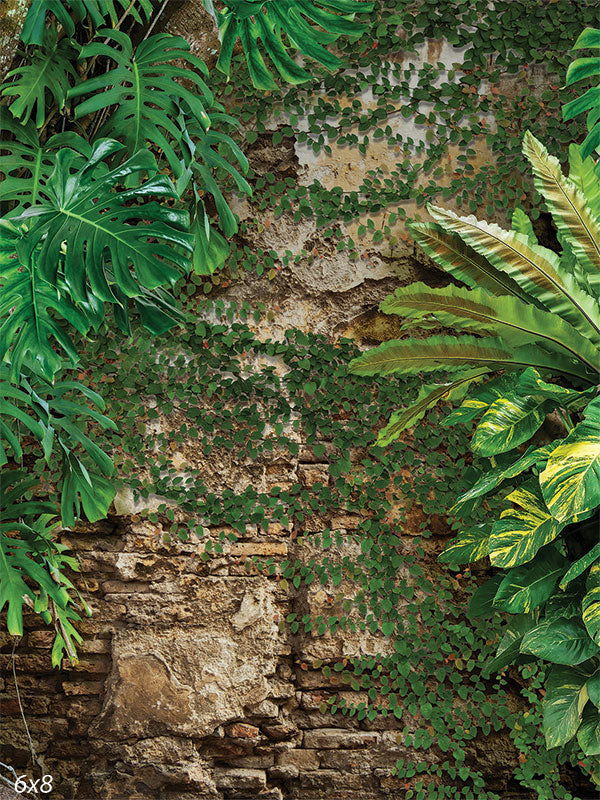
226, 778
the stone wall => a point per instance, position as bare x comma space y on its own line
190, 686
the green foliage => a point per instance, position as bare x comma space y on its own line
541, 539
308, 25
49, 73
95, 10
584, 69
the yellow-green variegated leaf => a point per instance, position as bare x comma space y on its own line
411, 356
593, 688
536, 269
573, 217
463, 262
494, 477
429, 395
571, 480
561, 641
520, 532
566, 696
590, 604
532, 383
509, 649
588, 735
509, 422
583, 175
581, 565
528, 586
480, 398
470, 545
476, 311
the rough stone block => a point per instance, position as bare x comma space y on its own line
226, 778
332, 738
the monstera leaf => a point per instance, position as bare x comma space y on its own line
98, 225
48, 72
26, 164
270, 22
583, 69
571, 480
29, 308
145, 91
95, 10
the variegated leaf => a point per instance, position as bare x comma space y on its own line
566, 696
481, 398
565, 602
581, 565
520, 532
572, 215
528, 586
590, 605
588, 735
536, 269
561, 641
509, 422
470, 545
532, 383
520, 223
429, 395
571, 480
494, 477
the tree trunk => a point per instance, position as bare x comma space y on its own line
12, 16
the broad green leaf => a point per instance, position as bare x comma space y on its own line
481, 603
476, 311
492, 478
411, 356
566, 696
255, 21
585, 68
583, 175
145, 91
581, 565
49, 72
526, 587
572, 215
571, 480
26, 164
480, 398
588, 735
463, 262
508, 422
470, 545
591, 604
94, 221
531, 383
509, 649
593, 688
429, 395
564, 603
97, 10
536, 269
30, 308
520, 532
561, 641
520, 223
